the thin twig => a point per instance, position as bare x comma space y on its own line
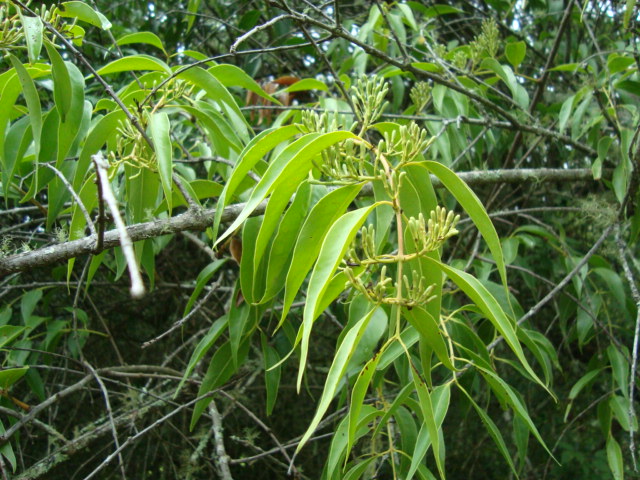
112, 423
256, 29
184, 319
137, 286
144, 431
76, 197
221, 458
622, 251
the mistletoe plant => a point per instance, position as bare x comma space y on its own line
383, 259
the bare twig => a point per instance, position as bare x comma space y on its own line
76, 197
221, 458
112, 424
622, 253
184, 319
143, 432
137, 286
256, 29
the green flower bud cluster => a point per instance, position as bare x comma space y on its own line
429, 235
405, 143
420, 95
10, 29
368, 99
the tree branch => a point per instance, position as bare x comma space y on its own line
200, 220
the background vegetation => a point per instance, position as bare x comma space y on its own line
520, 360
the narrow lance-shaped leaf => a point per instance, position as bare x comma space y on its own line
61, 81
357, 397
334, 247
217, 329
85, 13
507, 395
433, 415
322, 216
494, 432
491, 309
159, 127
252, 153
336, 372
33, 35
429, 330
471, 204
287, 169
35, 115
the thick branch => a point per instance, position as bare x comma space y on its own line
200, 220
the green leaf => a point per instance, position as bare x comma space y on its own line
97, 137
619, 369
232, 76
430, 333
476, 211
434, 10
33, 35
217, 92
283, 242
333, 249
203, 278
518, 93
135, 63
240, 316
272, 217
204, 345
272, 375
76, 121
491, 309
310, 239
8, 333
583, 382
357, 397
434, 408
629, 86
148, 38
304, 85
221, 368
287, 168
628, 11
620, 410
61, 81
603, 149
494, 432
515, 52
614, 458
506, 394
160, 129
336, 372
258, 148
10, 376
192, 8
84, 13
617, 63
6, 450
35, 115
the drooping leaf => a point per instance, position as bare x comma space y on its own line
160, 129
336, 371
84, 13
333, 249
